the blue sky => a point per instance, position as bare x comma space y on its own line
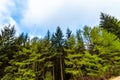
35, 17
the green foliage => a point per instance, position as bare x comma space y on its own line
57, 44
7, 48
92, 52
107, 46
72, 59
48, 76
57, 38
110, 23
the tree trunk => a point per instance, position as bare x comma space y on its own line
43, 76
53, 73
61, 67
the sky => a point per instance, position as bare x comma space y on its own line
36, 17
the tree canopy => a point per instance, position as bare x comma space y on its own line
92, 53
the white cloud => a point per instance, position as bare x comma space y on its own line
40, 10
67, 12
48, 14
42, 15
6, 8
4, 4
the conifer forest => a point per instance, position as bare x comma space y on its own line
92, 53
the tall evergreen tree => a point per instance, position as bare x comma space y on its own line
7, 47
57, 44
87, 38
9, 70
107, 48
68, 33
72, 59
110, 23
80, 42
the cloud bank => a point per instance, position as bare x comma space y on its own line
11, 12
37, 16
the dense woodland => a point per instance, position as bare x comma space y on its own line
89, 54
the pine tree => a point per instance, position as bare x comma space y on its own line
72, 59
87, 38
57, 43
80, 42
30, 60
110, 23
69, 33
12, 68
107, 48
7, 48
